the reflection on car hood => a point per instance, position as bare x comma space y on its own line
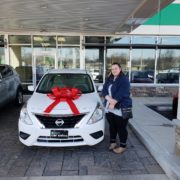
39, 102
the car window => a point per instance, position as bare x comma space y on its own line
1, 68
80, 81
5, 71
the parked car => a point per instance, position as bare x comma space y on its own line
146, 76
60, 126
175, 104
98, 79
10, 86
168, 77
94, 73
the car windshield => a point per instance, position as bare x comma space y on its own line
80, 81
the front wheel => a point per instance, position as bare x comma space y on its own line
174, 107
19, 97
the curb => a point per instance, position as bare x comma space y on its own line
164, 159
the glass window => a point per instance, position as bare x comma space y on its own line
43, 63
19, 39
168, 66
170, 40
68, 57
80, 81
1, 40
2, 56
143, 40
94, 63
94, 39
118, 40
68, 40
40, 49
21, 60
120, 56
44, 41
142, 66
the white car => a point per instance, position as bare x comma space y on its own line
60, 126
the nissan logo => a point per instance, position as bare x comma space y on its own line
59, 122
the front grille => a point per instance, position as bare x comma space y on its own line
50, 139
50, 121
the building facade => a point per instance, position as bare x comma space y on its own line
149, 55
145, 59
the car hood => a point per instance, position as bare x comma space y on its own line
85, 103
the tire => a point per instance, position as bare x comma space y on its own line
174, 107
19, 97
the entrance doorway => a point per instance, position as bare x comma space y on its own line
42, 62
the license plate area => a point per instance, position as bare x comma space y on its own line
59, 133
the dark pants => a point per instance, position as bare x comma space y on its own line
117, 125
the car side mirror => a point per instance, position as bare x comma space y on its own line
31, 88
99, 88
150, 76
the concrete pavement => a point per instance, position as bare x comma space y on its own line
30, 163
100, 177
157, 133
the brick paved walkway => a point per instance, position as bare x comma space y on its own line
19, 160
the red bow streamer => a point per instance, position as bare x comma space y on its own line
64, 95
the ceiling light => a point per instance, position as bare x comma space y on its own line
44, 7
61, 39
46, 38
38, 38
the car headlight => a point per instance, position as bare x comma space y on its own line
24, 117
97, 115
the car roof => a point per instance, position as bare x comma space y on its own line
4, 65
68, 71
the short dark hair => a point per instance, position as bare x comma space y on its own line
116, 63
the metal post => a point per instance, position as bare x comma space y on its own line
6, 49
178, 109
82, 53
105, 61
156, 59
34, 70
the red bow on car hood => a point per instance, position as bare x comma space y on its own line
64, 95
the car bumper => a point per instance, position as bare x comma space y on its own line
31, 135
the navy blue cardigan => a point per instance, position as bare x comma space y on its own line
120, 90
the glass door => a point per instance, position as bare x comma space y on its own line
42, 62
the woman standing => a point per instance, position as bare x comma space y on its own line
116, 92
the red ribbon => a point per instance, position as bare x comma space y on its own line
64, 95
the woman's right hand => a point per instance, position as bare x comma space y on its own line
111, 100
111, 106
108, 98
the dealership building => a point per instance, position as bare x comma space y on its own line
143, 36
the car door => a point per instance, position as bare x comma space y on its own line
4, 96
11, 83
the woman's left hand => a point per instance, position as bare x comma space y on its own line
111, 106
